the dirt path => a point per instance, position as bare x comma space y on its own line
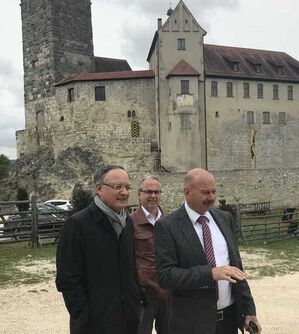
39, 309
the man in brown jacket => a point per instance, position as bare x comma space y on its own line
144, 218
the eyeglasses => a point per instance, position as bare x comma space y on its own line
119, 187
151, 192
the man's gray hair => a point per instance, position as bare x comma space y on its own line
147, 177
100, 175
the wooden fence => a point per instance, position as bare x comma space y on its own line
269, 227
38, 225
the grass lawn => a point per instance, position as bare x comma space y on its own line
16, 260
20, 264
276, 258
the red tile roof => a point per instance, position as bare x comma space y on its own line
182, 68
101, 76
219, 62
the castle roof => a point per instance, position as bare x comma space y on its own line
103, 64
101, 76
182, 68
244, 63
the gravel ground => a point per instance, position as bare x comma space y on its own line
39, 308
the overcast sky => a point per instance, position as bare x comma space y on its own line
125, 28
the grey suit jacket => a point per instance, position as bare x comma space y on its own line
182, 267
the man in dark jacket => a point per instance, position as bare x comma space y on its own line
198, 260
144, 218
95, 261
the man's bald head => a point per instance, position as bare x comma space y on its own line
199, 190
197, 174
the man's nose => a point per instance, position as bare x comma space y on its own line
212, 197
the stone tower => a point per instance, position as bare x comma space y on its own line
176, 57
57, 43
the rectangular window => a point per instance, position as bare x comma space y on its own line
100, 93
181, 44
275, 92
250, 117
70, 95
260, 91
266, 117
290, 92
214, 88
185, 87
246, 90
229, 89
282, 118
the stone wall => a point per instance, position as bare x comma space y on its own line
278, 186
57, 42
231, 140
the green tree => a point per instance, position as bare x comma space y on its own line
81, 197
4, 166
22, 195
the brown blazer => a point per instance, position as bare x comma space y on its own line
145, 253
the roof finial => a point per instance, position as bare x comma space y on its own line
170, 10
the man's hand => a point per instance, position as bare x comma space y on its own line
252, 318
228, 273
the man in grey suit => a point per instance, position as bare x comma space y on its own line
197, 259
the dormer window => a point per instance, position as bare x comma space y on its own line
236, 67
280, 70
234, 62
258, 68
277, 66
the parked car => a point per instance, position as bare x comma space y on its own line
60, 203
49, 216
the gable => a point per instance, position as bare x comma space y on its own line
182, 20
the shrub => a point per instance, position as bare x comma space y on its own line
22, 195
81, 197
4, 166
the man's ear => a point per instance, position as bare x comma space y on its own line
99, 188
186, 191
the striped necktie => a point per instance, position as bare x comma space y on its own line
208, 245
207, 240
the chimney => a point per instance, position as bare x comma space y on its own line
159, 23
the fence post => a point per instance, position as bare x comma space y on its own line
34, 228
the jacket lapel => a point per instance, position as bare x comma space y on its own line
227, 233
188, 230
223, 225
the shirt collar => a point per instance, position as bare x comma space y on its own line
149, 216
193, 215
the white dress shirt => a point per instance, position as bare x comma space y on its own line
151, 219
220, 252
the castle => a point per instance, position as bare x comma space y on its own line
234, 111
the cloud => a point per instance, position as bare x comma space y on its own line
136, 26
11, 106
